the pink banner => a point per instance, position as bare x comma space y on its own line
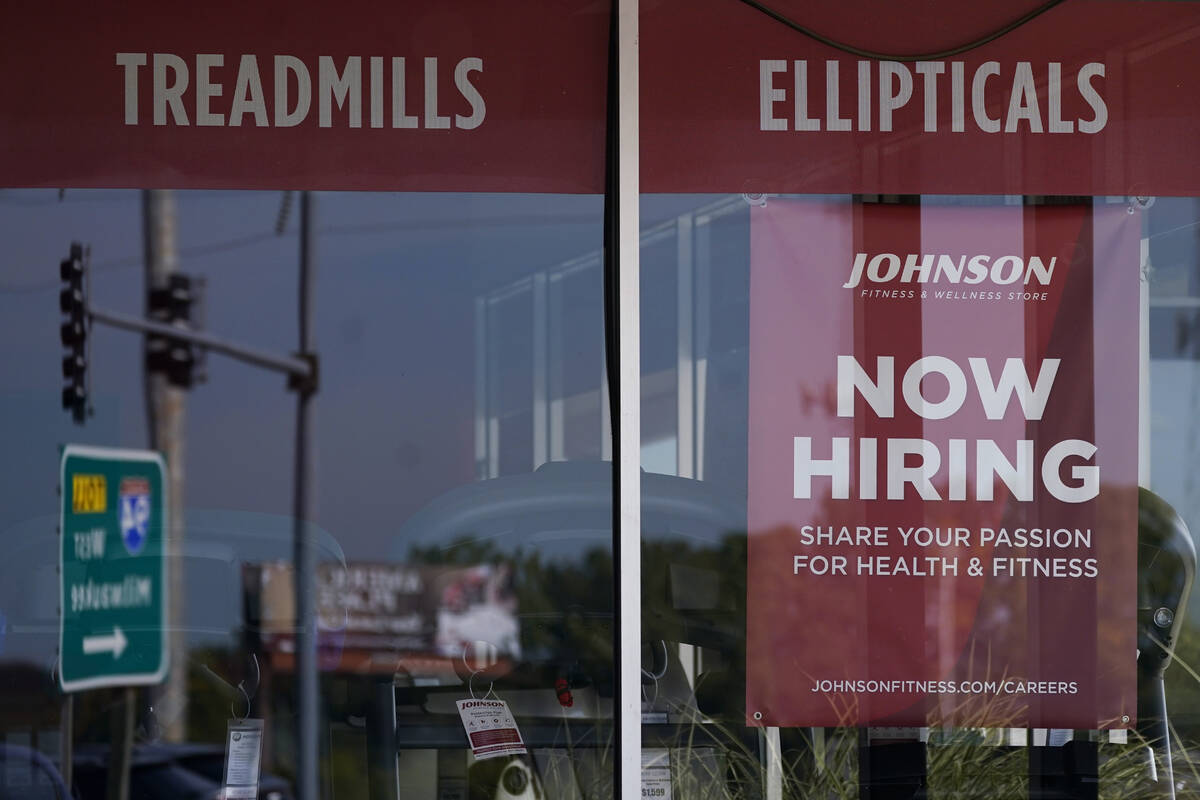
943, 465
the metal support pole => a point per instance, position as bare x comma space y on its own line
1153, 728
299, 368
305, 540
166, 408
67, 741
629, 558
383, 779
121, 736
622, 246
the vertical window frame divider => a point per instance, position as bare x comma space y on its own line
623, 338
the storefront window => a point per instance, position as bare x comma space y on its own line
363, 411
333, 516
931, 339
424, 555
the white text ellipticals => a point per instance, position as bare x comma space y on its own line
1034, 96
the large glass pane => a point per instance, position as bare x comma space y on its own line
985, 738
294, 320
932, 324
463, 509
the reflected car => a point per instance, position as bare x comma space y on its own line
29, 775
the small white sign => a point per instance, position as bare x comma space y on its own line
490, 728
243, 759
656, 773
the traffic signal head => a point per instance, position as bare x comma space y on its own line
73, 332
73, 364
69, 299
72, 302
175, 358
173, 302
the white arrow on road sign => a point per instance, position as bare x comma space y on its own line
105, 644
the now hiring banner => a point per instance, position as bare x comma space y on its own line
942, 465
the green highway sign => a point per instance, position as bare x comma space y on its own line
112, 568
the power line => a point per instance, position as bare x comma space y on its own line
211, 248
880, 56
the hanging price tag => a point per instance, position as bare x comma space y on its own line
243, 759
490, 728
656, 773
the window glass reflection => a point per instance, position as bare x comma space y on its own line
713, 245
463, 502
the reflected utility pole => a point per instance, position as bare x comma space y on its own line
305, 532
166, 410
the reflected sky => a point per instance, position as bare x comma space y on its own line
396, 279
